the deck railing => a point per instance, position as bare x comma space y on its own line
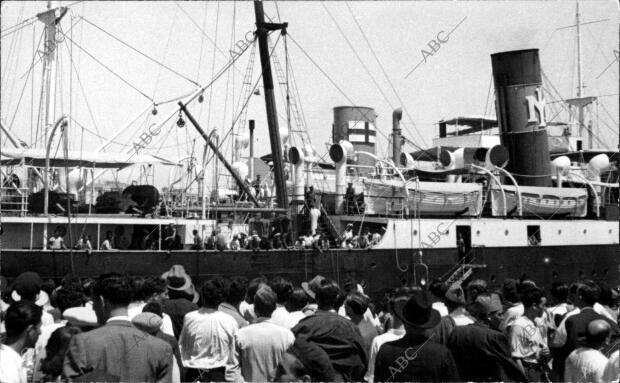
14, 201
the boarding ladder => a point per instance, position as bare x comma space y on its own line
462, 272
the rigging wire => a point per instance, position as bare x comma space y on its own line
141, 53
205, 35
388, 79
88, 107
217, 22
110, 70
202, 43
155, 86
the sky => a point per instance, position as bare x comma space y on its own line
430, 79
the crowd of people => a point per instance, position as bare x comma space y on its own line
121, 328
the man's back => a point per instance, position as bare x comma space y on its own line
339, 338
261, 347
483, 354
120, 349
585, 364
176, 309
415, 358
576, 327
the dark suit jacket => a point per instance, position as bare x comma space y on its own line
483, 354
576, 328
176, 309
415, 358
118, 348
339, 338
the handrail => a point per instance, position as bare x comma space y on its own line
487, 171
514, 182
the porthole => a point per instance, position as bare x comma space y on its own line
493, 278
560, 232
415, 232
478, 232
585, 231
610, 231
506, 232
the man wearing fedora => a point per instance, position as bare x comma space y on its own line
182, 296
416, 356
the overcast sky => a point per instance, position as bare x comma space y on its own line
454, 80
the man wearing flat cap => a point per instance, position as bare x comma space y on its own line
416, 356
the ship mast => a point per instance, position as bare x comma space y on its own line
581, 101
46, 107
262, 31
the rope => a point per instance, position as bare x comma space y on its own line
109, 70
388, 79
140, 52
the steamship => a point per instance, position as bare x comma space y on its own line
493, 198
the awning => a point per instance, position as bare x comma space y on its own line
36, 157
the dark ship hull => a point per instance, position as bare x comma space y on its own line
379, 268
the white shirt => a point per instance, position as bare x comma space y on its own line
526, 340
601, 310
39, 347
612, 370
295, 317
282, 317
56, 243
392, 335
207, 341
260, 348
441, 307
511, 314
106, 245
12, 368
585, 365
560, 335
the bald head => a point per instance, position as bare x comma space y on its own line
598, 331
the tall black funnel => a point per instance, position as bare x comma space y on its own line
520, 108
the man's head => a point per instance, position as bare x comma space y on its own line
532, 299
23, 323
282, 288
194, 232
68, 296
109, 234
253, 288
597, 333
327, 294
298, 300
305, 362
213, 293
236, 288
264, 301
488, 310
475, 288
28, 286
588, 294
355, 306
111, 291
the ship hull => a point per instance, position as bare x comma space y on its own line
379, 268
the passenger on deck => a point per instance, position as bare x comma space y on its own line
235, 244
84, 243
197, 244
107, 243
56, 241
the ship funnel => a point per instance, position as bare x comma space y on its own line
296, 157
597, 165
339, 153
397, 115
521, 115
406, 160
